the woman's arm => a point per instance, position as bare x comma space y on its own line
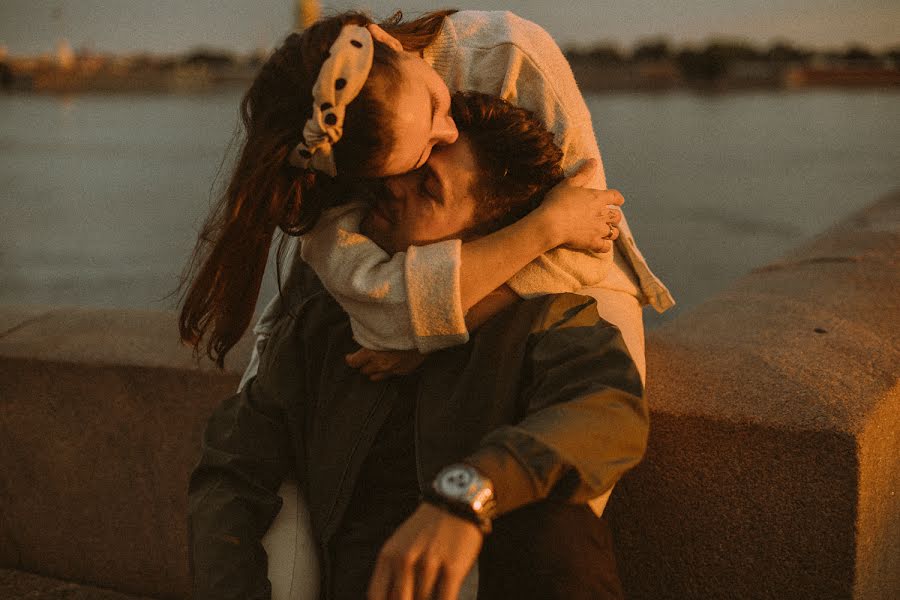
418, 299
571, 215
493, 258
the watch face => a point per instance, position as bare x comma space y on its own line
455, 482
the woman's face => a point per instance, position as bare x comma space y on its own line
418, 115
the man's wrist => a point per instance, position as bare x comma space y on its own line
462, 490
484, 525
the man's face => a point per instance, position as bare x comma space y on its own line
430, 204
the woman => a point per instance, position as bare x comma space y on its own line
400, 112
503, 55
364, 120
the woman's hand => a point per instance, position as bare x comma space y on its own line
580, 217
381, 364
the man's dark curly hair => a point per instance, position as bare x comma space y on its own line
518, 158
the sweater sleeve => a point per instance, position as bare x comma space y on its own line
559, 104
501, 54
410, 300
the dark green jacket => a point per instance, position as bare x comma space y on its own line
544, 399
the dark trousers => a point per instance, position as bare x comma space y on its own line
543, 551
549, 550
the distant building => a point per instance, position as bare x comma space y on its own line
6, 72
307, 13
65, 56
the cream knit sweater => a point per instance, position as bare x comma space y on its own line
412, 299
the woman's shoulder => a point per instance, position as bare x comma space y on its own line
483, 28
492, 46
333, 229
492, 41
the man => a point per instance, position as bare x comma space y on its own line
542, 410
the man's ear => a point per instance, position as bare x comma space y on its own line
380, 35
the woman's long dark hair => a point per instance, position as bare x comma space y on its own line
266, 193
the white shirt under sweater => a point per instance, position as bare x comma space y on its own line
412, 299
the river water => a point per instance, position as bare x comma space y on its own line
101, 196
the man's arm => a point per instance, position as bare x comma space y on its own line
233, 496
587, 418
586, 424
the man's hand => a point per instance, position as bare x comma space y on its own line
381, 364
431, 548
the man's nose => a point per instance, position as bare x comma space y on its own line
445, 132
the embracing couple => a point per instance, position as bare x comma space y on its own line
453, 368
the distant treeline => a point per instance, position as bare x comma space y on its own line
653, 65
715, 59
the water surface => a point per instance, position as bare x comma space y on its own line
101, 196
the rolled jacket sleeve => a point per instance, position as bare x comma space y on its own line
586, 418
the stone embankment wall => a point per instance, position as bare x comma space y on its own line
101, 413
772, 471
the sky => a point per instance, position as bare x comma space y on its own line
172, 26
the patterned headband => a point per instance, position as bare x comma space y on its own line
340, 80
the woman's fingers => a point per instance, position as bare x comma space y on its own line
380, 372
359, 358
613, 216
381, 364
603, 246
370, 369
615, 197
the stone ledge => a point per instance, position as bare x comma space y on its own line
95, 462
108, 408
108, 337
810, 342
19, 585
774, 460
13, 318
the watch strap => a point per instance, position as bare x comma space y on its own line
458, 509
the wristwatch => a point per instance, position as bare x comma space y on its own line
462, 490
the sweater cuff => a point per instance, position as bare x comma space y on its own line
434, 296
512, 484
561, 271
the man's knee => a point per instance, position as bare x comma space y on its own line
549, 550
